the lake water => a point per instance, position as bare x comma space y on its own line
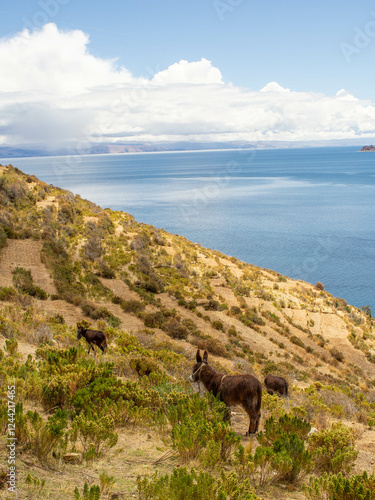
306, 213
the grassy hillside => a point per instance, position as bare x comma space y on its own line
106, 420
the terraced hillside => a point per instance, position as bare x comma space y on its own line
158, 297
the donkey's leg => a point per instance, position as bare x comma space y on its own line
250, 408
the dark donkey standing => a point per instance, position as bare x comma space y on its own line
276, 384
245, 390
92, 337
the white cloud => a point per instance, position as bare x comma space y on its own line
53, 91
199, 72
274, 87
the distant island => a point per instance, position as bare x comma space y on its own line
368, 148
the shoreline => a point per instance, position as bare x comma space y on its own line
178, 151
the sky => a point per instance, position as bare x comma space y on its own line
79, 72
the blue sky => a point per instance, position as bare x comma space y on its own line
309, 48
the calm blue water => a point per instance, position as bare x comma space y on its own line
306, 213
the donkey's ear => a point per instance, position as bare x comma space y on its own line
205, 356
198, 357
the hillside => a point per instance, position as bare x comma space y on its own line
158, 297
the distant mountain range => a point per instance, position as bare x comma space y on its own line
136, 147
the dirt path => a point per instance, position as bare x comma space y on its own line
25, 253
48, 202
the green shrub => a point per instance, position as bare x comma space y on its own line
270, 367
272, 317
7, 293
195, 422
333, 450
154, 320
37, 436
218, 325
251, 318
11, 346
144, 366
337, 487
132, 306
3, 479
176, 330
297, 341
101, 313
34, 486
23, 281
3, 237
95, 432
106, 483
214, 346
193, 485
282, 455
92, 493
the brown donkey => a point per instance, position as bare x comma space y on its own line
245, 390
276, 384
92, 337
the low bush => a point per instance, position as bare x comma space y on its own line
193, 485
23, 281
37, 436
11, 346
214, 346
218, 325
282, 454
338, 487
7, 293
34, 486
89, 493
297, 341
94, 312
95, 433
132, 306
154, 320
195, 422
176, 330
143, 365
335, 353
333, 450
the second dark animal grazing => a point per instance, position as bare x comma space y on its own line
276, 384
245, 390
93, 337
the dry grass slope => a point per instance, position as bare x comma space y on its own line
158, 297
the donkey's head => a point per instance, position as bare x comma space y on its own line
80, 331
194, 377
